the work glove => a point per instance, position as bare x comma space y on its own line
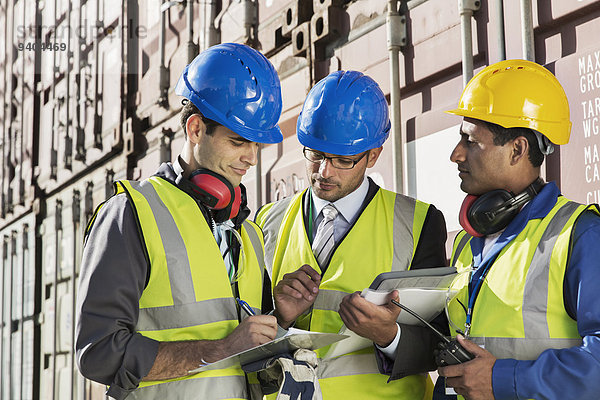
295, 377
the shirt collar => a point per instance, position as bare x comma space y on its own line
349, 205
177, 168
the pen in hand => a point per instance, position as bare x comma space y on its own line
246, 307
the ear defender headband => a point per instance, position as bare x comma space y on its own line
492, 211
215, 192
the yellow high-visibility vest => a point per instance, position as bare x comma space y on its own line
519, 311
383, 239
189, 295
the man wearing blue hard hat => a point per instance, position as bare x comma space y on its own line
344, 231
167, 258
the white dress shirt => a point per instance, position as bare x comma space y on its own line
349, 208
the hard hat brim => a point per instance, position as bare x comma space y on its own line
337, 148
512, 122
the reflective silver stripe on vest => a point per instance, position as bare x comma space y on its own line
329, 300
257, 245
354, 364
535, 293
273, 221
178, 266
183, 315
522, 349
404, 215
222, 387
460, 247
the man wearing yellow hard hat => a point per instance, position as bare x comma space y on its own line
528, 301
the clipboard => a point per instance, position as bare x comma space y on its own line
295, 339
423, 290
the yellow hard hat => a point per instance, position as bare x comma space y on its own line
518, 93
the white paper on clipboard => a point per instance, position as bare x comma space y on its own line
294, 339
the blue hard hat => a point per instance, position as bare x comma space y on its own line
236, 86
345, 113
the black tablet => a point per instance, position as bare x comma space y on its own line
437, 277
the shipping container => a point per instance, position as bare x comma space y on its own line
20, 327
62, 237
85, 85
19, 120
88, 98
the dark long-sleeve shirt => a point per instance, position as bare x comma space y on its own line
113, 276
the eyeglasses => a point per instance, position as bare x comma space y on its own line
337, 162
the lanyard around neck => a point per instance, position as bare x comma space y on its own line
310, 216
473, 290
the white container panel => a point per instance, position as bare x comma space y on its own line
48, 325
46, 384
17, 277
29, 273
7, 281
64, 384
15, 366
5, 390
65, 253
65, 322
28, 355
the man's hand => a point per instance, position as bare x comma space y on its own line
176, 359
377, 323
295, 293
472, 379
251, 332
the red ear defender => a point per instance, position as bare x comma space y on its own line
237, 201
463, 215
214, 190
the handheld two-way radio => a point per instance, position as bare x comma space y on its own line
451, 352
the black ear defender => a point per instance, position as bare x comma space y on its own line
491, 212
214, 191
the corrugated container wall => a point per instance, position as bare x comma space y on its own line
87, 89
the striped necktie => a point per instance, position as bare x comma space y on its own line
324, 241
225, 248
